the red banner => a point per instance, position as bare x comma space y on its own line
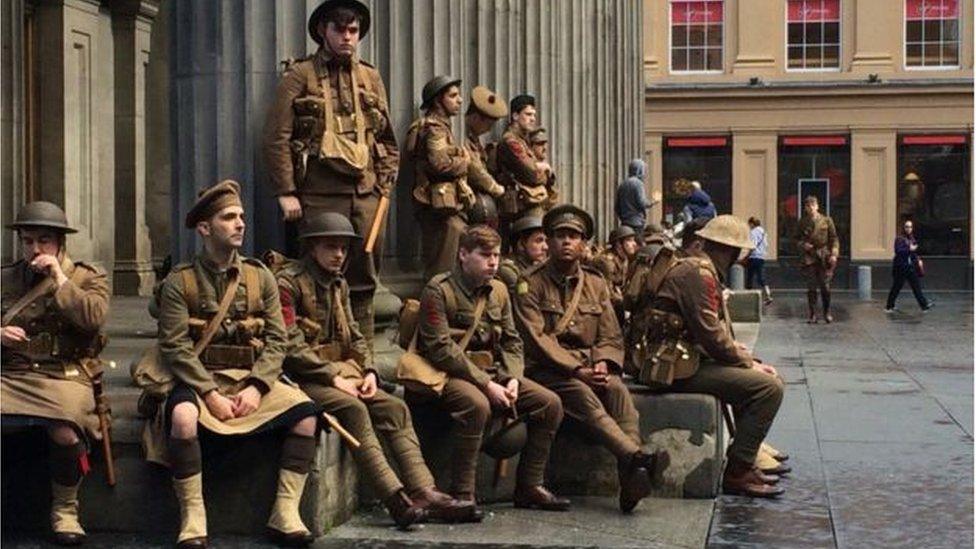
814, 11
696, 12
697, 141
815, 141
934, 140
916, 10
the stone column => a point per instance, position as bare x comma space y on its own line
754, 181
873, 181
12, 111
131, 31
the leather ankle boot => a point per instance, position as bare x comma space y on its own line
404, 511
744, 479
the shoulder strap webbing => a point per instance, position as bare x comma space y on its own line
252, 284
309, 298
37, 291
479, 309
330, 121
214, 323
345, 332
564, 320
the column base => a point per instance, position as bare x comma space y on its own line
133, 278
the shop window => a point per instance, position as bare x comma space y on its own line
813, 34
933, 191
696, 35
707, 160
932, 33
819, 166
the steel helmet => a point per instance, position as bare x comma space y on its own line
434, 87
729, 230
620, 232
327, 224
42, 214
483, 211
504, 440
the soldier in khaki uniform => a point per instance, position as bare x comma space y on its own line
473, 391
518, 170
539, 141
329, 358
574, 348
819, 249
440, 166
233, 385
530, 246
329, 143
684, 297
53, 313
485, 109
614, 263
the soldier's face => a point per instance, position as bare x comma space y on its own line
480, 264
811, 207
35, 242
525, 118
566, 245
477, 123
628, 246
330, 252
342, 39
535, 246
450, 101
226, 228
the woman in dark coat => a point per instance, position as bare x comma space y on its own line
905, 267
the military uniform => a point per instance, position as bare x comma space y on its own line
510, 270
293, 143
614, 269
447, 307
820, 232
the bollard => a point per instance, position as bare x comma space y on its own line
737, 277
864, 282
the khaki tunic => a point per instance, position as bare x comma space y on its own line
510, 271
41, 384
479, 178
820, 232
614, 269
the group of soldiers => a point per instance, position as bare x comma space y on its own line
246, 346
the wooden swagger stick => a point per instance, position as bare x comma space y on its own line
337, 427
374, 229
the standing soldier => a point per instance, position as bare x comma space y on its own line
484, 110
574, 348
614, 264
329, 143
529, 247
484, 370
539, 141
522, 174
222, 339
440, 167
329, 358
687, 315
819, 248
53, 313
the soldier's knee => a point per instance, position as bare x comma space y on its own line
397, 411
554, 410
305, 427
63, 434
479, 411
184, 420
773, 390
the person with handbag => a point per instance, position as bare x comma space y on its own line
53, 313
330, 360
575, 349
907, 266
466, 334
329, 143
221, 344
819, 249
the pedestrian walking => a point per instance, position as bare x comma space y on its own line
631, 202
906, 266
757, 259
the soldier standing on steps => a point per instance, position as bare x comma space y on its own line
485, 108
53, 313
329, 143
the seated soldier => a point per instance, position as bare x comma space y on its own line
688, 313
228, 372
574, 348
330, 359
470, 301
53, 312
614, 264
530, 247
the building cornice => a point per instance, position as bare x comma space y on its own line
799, 88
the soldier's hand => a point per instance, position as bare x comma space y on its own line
591, 377
544, 166
367, 389
220, 406
12, 335
291, 207
246, 401
48, 264
497, 395
511, 389
807, 246
348, 386
764, 368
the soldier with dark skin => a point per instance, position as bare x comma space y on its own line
819, 249
53, 312
329, 358
440, 165
574, 348
530, 246
692, 288
309, 168
473, 392
614, 264
233, 386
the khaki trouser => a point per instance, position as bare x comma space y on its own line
440, 238
389, 416
471, 410
754, 396
608, 412
817, 279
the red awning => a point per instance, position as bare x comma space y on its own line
696, 12
697, 141
814, 11
815, 141
916, 10
934, 140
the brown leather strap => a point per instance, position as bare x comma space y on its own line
39, 289
345, 333
214, 323
191, 290
330, 121
564, 320
479, 310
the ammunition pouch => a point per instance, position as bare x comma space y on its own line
665, 352
222, 357
508, 203
311, 329
443, 196
533, 195
409, 320
418, 375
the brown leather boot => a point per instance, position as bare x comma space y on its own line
744, 479
635, 482
443, 508
538, 497
404, 511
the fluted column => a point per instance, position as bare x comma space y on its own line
12, 138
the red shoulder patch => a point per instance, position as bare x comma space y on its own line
711, 286
431, 313
287, 306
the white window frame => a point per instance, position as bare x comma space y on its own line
670, 42
786, 42
904, 43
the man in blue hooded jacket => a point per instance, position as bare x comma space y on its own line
631, 203
699, 204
